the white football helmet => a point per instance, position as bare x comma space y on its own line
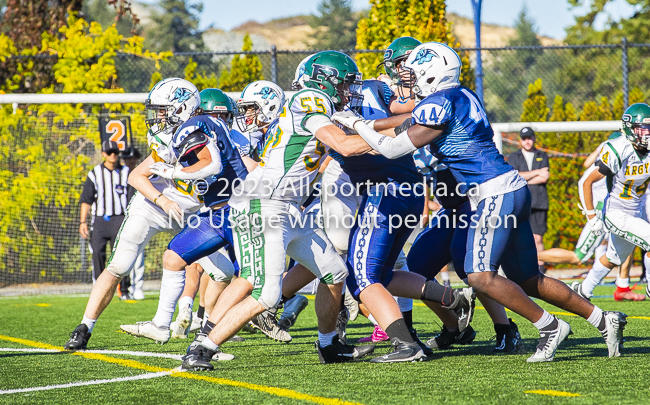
300, 70
429, 68
171, 102
266, 98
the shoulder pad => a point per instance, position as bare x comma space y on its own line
311, 101
194, 140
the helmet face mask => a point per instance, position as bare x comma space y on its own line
336, 75
259, 105
216, 103
170, 103
431, 67
636, 125
396, 54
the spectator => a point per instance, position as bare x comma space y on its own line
533, 166
131, 158
105, 196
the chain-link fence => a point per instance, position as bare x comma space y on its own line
44, 160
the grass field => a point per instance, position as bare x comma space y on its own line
268, 372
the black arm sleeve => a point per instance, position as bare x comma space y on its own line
603, 169
403, 126
88, 193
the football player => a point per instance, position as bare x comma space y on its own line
452, 121
625, 161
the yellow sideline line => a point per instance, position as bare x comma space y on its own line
553, 393
280, 392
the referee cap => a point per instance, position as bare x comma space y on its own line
110, 146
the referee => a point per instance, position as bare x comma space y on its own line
105, 196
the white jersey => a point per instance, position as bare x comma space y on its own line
175, 190
245, 141
291, 155
598, 189
630, 174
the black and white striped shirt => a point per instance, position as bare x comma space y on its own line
106, 190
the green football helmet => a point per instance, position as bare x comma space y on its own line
215, 101
397, 52
636, 125
335, 74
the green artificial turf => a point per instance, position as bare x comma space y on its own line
468, 374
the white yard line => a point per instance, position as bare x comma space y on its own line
113, 352
145, 376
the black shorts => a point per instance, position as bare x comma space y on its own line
538, 221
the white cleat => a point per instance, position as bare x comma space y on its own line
181, 326
549, 341
614, 325
149, 330
138, 295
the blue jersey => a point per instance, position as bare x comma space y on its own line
377, 168
220, 184
446, 188
466, 146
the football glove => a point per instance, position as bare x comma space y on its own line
597, 225
164, 170
346, 118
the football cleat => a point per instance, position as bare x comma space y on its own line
138, 295
464, 308
249, 327
647, 290
615, 323
127, 297
626, 294
267, 323
236, 339
549, 340
446, 338
577, 287
292, 309
402, 352
508, 338
181, 326
339, 352
78, 338
425, 349
198, 359
341, 324
149, 330
218, 354
378, 335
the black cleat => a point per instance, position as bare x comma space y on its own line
508, 338
445, 339
198, 358
463, 306
78, 338
402, 352
425, 349
338, 352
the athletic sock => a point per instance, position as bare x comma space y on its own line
595, 276
200, 312
171, 288
398, 329
207, 342
623, 283
325, 339
597, 319
90, 323
444, 276
372, 319
544, 321
186, 302
207, 327
408, 318
205, 319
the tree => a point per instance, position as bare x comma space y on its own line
636, 28
100, 11
424, 20
243, 70
335, 27
175, 27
